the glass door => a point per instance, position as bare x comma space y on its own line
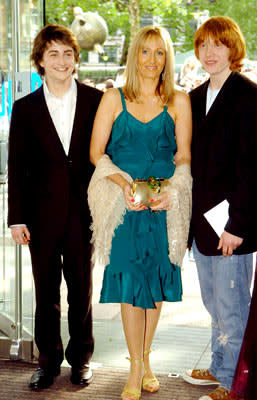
20, 20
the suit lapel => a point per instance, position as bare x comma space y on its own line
77, 120
46, 125
201, 106
218, 104
81, 114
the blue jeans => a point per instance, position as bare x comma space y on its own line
225, 289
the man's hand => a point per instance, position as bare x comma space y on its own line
228, 243
20, 234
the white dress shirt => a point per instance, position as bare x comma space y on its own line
62, 111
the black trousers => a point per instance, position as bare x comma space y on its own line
68, 251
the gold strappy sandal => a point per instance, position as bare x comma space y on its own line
151, 385
133, 394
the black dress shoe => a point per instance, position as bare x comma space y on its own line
42, 379
82, 375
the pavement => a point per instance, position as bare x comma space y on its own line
107, 385
182, 336
181, 339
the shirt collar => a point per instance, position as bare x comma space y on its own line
72, 90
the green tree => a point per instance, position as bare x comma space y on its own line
61, 12
242, 11
175, 16
178, 16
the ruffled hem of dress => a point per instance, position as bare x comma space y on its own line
163, 284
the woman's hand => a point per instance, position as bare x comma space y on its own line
129, 200
161, 202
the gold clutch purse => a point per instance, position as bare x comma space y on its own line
145, 189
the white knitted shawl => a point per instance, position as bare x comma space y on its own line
107, 207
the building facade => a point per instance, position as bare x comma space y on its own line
20, 20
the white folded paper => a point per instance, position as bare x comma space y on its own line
218, 217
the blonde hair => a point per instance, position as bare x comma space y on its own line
165, 88
225, 30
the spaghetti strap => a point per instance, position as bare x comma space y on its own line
122, 99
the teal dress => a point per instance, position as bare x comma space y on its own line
140, 272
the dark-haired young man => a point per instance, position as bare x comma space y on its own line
224, 172
49, 171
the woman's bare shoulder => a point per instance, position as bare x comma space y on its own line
112, 94
111, 104
181, 98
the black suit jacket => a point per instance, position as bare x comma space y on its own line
224, 162
42, 179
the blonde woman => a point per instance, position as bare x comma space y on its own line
137, 132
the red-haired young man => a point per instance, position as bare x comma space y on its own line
223, 168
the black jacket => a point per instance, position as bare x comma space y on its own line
41, 177
224, 165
